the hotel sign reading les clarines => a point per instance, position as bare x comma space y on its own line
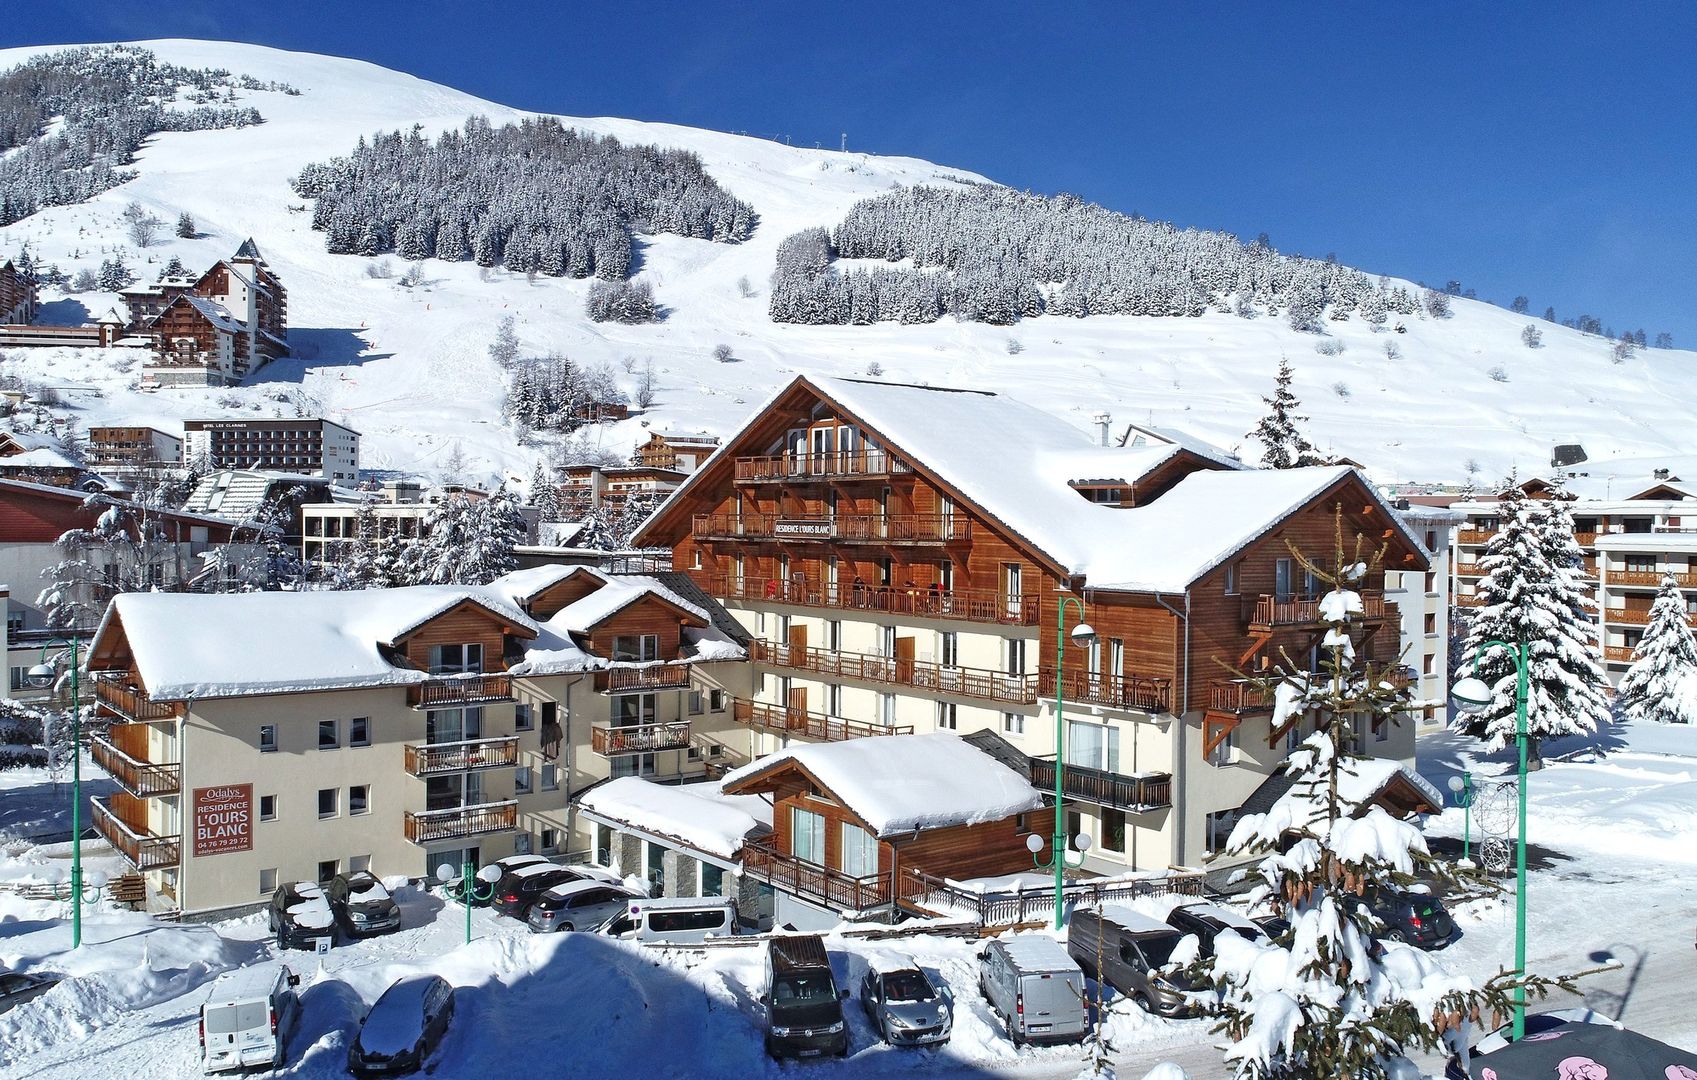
223, 819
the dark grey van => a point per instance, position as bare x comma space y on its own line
1126, 949
804, 1009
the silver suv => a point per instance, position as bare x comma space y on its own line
578, 905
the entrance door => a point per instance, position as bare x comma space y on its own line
904, 659
1284, 579
798, 646
1012, 593
796, 704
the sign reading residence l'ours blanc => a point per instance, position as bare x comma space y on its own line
223, 819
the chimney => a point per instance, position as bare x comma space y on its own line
1102, 421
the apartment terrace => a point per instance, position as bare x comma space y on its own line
778, 720
799, 877
131, 839
895, 671
1141, 692
847, 465
130, 703
1651, 578
643, 679
434, 758
1637, 616
1134, 793
1270, 611
614, 740
454, 823
458, 691
841, 528
135, 775
1618, 654
964, 605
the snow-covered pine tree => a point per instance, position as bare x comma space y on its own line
1575, 596
504, 350
1523, 598
1329, 999
545, 494
438, 556
134, 558
494, 527
1284, 446
1661, 684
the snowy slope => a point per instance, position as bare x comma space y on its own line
409, 368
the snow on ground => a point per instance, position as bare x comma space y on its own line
408, 368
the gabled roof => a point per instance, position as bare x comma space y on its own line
1146, 434
249, 250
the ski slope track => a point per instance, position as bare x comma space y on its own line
409, 368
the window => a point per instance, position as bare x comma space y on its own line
859, 856
327, 738
807, 836
603, 845
359, 800
1113, 829
267, 738
357, 863
695, 703
359, 731
18, 680
550, 840
1016, 656
948, 648
1284, 578
1231, 578
523, 718
327, 870
1096, 746
636, 647
947, 715
1381, 730
1642, 564
550, 777
1431, 622
716, 700
1217, 831
268, 808
521, 844
1013, 723
268, 881
521, 780
327, 802
712, 880
887, 709
453, 659
1429, 663
833, 699
1222, 752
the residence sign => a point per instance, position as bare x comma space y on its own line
223, 819
795, 527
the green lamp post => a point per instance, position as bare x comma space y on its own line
41, 676
1461, 787
1084, 637
469, 886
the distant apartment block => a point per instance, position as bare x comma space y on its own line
301, 446
681, 451
17, 294
119, 448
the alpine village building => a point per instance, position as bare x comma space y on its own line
215, 329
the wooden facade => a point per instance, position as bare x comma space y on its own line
17, 295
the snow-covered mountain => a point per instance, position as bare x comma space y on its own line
409, 367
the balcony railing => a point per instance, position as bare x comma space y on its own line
966, 605
139, 778
131, 703
1293, 610
1585, 539
639, 738
841, 465
801, 878
429, 826
842, 528
144, 850
456, 691
1468, 600
1618, 654
1140, 692
890, 671
1651, 577
1630, 616
1145, 791
1239, 696
781, 721
433, 758
1474, 536
634, 680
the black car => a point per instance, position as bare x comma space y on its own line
16, 987
1274, 926
1417, 919
507, 865
519, 889
1207, 921
300, 915
403, 1027
362, 905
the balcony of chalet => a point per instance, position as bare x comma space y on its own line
124, 757
1267, 612
796, 468
1474, 536
883, 529
1618, 654
1651, 578
128, 703
971, 682
778, 720
123, 824
1139, 692
961, 605
833, 888
616, 741
642, 679
456, 691
1637, 616
432, 759
460, 822
1134, 793
1239, 696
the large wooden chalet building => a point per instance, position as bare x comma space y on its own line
215, 329
17, 295
897, 553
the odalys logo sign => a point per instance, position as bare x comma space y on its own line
223, 819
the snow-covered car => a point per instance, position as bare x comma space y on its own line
906, 1007
247, 1018
362, 905
518, 889
507, 866
578, 905
406, 1024
1207, 921
1415, 918
17, 987
300, 915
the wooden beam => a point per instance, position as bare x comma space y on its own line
1216, 726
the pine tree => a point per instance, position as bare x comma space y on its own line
1284, 446
545, 494
185, 226
174, 268
1526, 598
504, 350
1661, 684
494, 529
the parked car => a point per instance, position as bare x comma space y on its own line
17, 987
1274, 926
362, 905
1206, 921
906, 1007
403, 1027
507, 866
518, 889
577, 905
1035, 987
1417, 919
247, 1017
300, 915
680, 920
1552, 1038
1127, 949
804, 1008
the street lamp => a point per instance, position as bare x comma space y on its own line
1470, 695
42, 676
469, 891
1462, 787
1084, 637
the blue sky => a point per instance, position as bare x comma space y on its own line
1536, 148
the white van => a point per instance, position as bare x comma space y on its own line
677, 920
247, 1018
1035, 987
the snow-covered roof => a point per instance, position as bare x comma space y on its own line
30, 440
239, 493
243, 984
556, 651
901, 783
41, 458
1653, 541
526, 584
225, 645
619, 592
1134, 921
1360, 782
215, 313
696, 816
1143, 434
1037, 952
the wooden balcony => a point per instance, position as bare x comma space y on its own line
1617, 654
1467, 600
798, 877
429, 826
143, 850
643, 679
434, 758
793, 468
615, 741
140, 778
1651, 578
458, 691
1239, 696
1474, 536
1145, 791
1628, 616
841, 529
888, 671
129, 703
963, 605
1140, 692
778, 720
1272, 611
1585, 539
